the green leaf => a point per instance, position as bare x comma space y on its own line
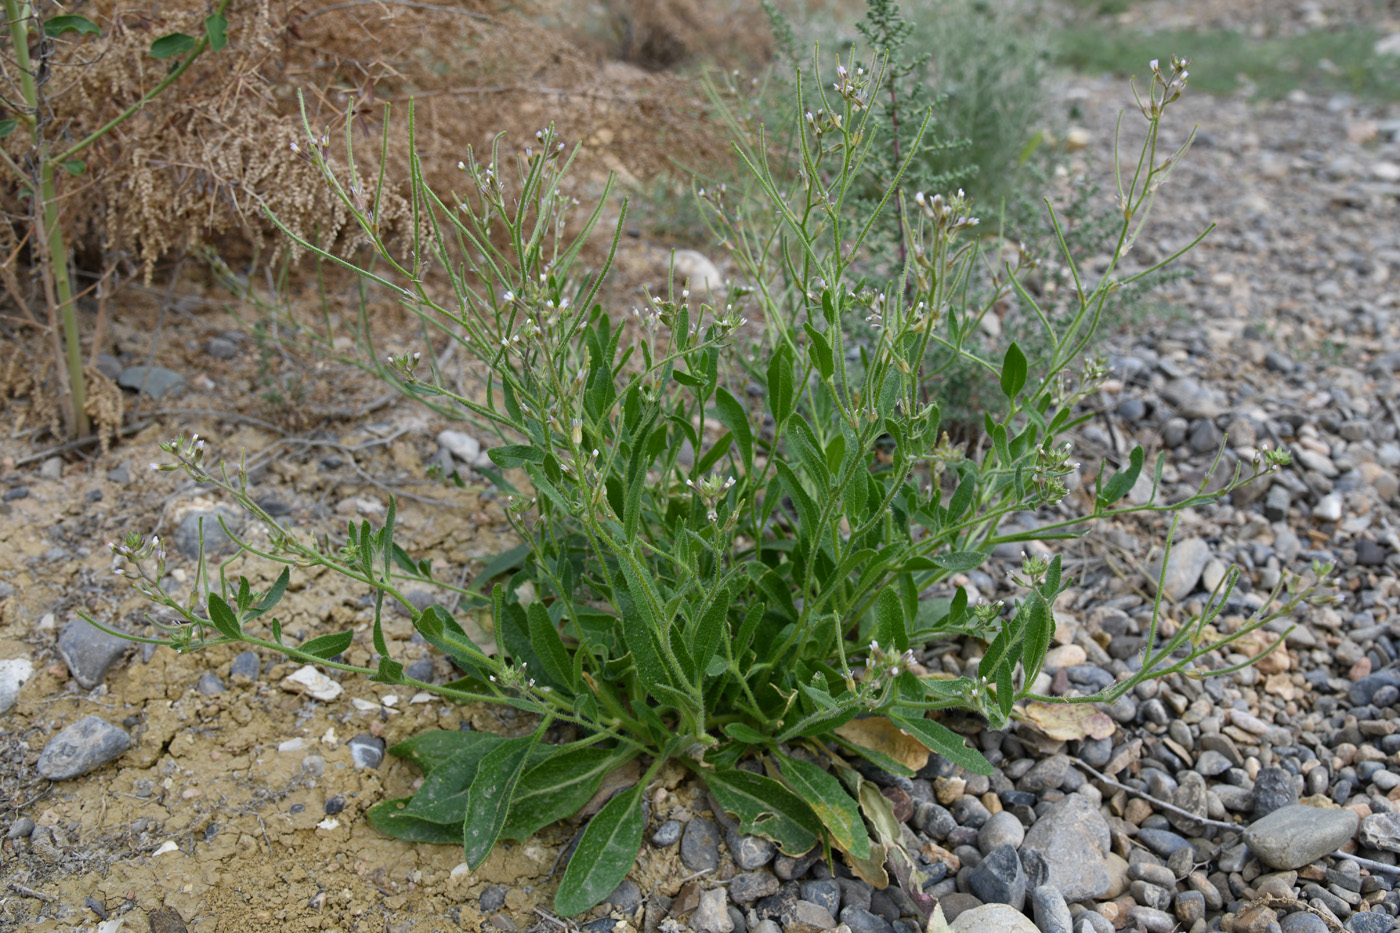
1122, 481
780, 385
216, 28
489, 797
328, 646
1013, 371
545, 639
75, 167
746, 734
604, 855
1039, 628
274, 595
1002, 445
731, 413
877, 758
766, 808
515, 455
389, 672
172, 44
890, 627
429, 749
938, 738
833, 806
819, 351
7, 127
442, 798
962, 497
557, 788
960, 561
392, 819
56, 26
223, 618
711, 627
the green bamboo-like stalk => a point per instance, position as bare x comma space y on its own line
17, 15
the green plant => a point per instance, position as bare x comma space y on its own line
38, 170
743, 608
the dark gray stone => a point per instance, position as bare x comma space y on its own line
1161, 841
667, 834
626, 898
1048, 773
209, 684
246, 664
700, 845
861, 920
751, 886
492, 899
934, 820
366, 750
89, 652
999, 879
824, 892
20, 828
155, 381
1303, 922
1072, 825
1273, 790
792, 867
1293, 836
1370, 922
221, 348
1050, 910
422, 670
750, 852
84, 746
216, 541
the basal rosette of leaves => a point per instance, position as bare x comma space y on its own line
734, 610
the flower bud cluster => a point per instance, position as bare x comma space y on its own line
1033, 571
404, 365
1166, 86
1052, 465
949, 215
712, 490
852, 87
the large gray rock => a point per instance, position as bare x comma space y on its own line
89, 652
993, 918
216, 541
1294, 836
1188, 558
86, 745
1074, 825
155, 381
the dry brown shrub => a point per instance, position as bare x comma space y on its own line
201, 161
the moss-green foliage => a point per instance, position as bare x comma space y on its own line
1317, 61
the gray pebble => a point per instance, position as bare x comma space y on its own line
700, 845
187, 533
366, 750
750, 886
1002, 829
667, 834
861, 920
750, 852
999, 879
790, 868
1273, 790
854, 893
154, 381
1161, 841
626, 898
1370, 922
934, 820
89, 652
1303, 922
1093, 922
221, 348
1050, 910
970, 812
1293, 836
492, 899
246, 664
20, 828
209, 684
824, 892
1190, 906
422, 670
84, 746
